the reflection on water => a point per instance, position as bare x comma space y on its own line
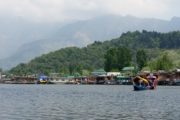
83, 102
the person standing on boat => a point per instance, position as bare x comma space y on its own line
151, 79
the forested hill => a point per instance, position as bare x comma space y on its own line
73, 59
146, 39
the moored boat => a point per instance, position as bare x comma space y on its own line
43, 80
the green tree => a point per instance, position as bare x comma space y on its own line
141, 59
71, 69
117, 58
63, 71
162, 63
110, 59
124, 57
79, 69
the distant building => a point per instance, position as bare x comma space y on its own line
102, 72
99, 72
113, 73
129, 71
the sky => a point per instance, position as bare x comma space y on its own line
69, 10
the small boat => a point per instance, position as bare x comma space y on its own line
43, 80
140, 83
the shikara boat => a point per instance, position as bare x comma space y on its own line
140, 83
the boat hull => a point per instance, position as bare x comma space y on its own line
139, 88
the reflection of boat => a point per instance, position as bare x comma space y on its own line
140, 83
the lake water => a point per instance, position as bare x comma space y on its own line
88, 102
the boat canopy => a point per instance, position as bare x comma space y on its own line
144, 80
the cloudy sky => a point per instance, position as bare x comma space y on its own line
64, 10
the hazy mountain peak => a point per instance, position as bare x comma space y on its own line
175, 19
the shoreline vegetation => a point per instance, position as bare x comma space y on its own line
130, 54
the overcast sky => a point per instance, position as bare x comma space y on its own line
64, 10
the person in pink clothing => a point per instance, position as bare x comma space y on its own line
152, 80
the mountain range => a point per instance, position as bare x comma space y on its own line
82, 33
